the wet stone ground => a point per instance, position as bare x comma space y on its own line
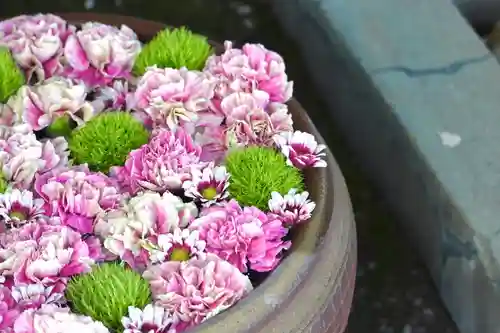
394, 293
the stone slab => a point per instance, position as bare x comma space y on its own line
416, 94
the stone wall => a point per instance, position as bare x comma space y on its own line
417, 95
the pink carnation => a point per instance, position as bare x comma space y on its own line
99, 53
301, 149
174, 97
7, 116
132, 231
42, 104
39, 253
36, 43
78, 196
8, 310
23, 156
245, 237
115, 97
193, 289
215, 143
33, 296
162, 164
250, 68
252, 120
52, 319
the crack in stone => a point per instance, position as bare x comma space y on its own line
449, 69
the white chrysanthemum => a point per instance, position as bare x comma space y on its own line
153, 319
301, 149
18, 207
292, 208
208, 185
179, 245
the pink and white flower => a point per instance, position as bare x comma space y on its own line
18, 207
292, 208
40, 105
215, 143
8, 310
7, 116
208, 185
100, 53
33, 296
36, 43
253, 67
245, 237
175, 98
192, 289
301, 149
39, 253
78, 196
115, 97
178, 245
22, 156
253, 119
53, 319
131, 232
162, 164
151, 319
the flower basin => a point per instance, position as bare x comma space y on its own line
309, 291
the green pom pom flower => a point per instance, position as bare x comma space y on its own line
4, 184
106, 140
174, 48
258, 171
11, 77
106, 293
62, 126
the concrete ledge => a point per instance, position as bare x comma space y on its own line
417, 95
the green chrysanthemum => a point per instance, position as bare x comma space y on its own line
174, 48
106, 140
11, 77
62, 126
4, 184
106, 293
258, 171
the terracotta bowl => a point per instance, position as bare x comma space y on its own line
311, 290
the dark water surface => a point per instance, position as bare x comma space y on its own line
394, 293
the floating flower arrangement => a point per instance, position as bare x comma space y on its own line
141, 186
